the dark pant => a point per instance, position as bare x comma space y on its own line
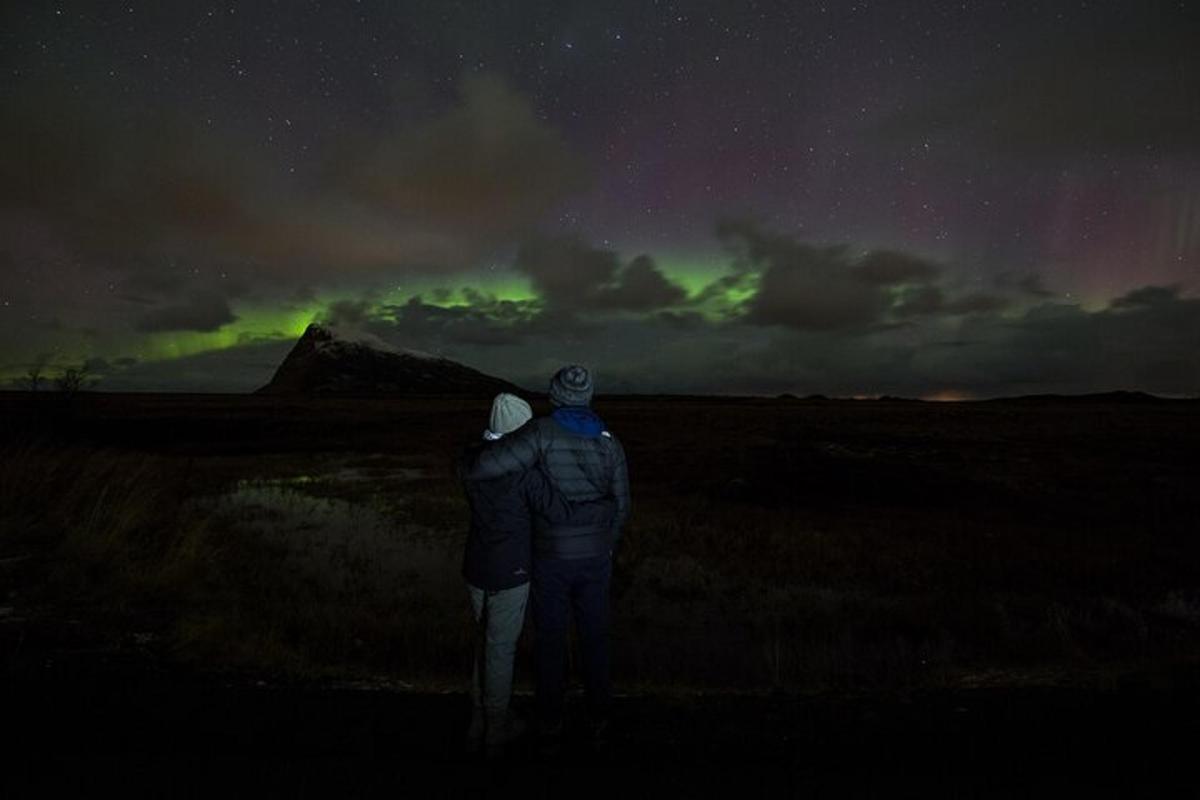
580, 586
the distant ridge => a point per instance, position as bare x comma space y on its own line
329, 360
1120, 396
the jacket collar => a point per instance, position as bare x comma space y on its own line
579, 420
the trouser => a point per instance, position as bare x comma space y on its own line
581, 586
499, 616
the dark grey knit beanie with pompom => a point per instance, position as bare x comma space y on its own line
571, 386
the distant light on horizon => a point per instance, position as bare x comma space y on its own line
949, 396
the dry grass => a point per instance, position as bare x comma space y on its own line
786, 547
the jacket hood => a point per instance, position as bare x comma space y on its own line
579, 420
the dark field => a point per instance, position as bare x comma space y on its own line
822, 559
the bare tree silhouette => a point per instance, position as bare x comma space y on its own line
72, 380
33, 378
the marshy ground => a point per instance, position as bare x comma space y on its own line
949, 590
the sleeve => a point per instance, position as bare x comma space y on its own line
620, 489
516, 452
544, 498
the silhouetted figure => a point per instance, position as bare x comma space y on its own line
572, 567
497, 568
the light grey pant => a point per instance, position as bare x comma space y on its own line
499, 617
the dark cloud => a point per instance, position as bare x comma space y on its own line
97, 366
350, 313
1028, 284
151, 188
1145, 339
976, 303
811, 288
641, 287
1147, 297
131, 216
683, 319
888, 267
486, 322
565, 270
486, 169
118, 185
572, 275
202, 313
825, 288
920, 300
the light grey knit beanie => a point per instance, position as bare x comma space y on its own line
509, 412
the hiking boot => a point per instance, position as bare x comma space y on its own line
501, 733
550, 740
597, 741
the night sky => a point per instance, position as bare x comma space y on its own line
931, 199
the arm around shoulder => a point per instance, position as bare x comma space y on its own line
516, 452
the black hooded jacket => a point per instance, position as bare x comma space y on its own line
582, 460
505, 510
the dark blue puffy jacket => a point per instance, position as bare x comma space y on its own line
504, 510
582, 459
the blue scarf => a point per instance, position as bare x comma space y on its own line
579, 420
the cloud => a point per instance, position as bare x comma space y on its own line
1143, 340
640, 287
888, 267
148, 186
565, 270
203, 313
146, 220
571, 276
489, 168
1028, 284
485, 322
818, 288
348, 313
976, 303
1147, 297
826, 288
920, 300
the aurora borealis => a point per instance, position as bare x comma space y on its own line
935, 199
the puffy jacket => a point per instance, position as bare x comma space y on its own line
582, 459
503, 512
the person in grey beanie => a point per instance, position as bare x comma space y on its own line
497, 568
572, 560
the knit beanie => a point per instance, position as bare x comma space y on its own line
571, 386
509, 412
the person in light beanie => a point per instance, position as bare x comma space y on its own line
497, 567
572, 560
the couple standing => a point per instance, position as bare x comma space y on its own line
548, 497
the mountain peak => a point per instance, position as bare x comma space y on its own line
325, 336
332, 359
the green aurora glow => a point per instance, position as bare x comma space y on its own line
262, 321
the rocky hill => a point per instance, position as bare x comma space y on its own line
329, 360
